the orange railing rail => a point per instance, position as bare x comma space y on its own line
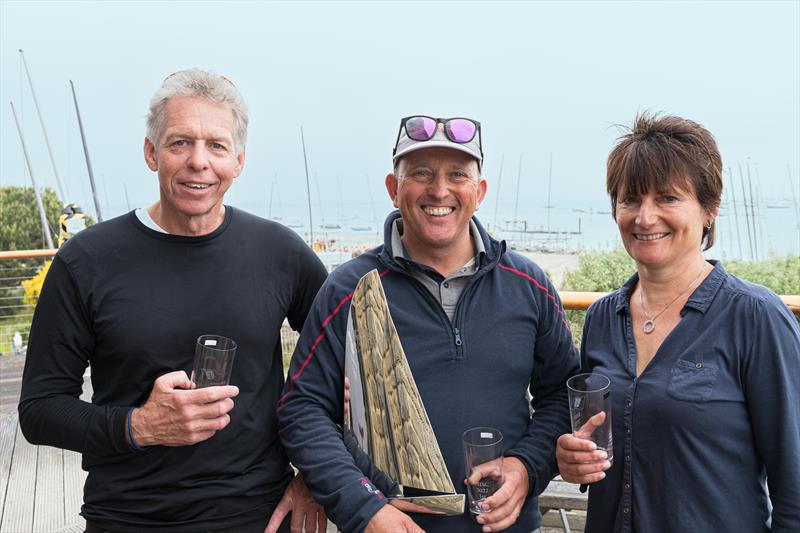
578, 301
26, 254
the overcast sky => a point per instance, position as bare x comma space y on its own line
541, 77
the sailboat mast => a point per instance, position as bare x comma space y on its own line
753, 212
497, 197
127, 201
371, 201
44, 130
341, 200
791, 188
86, 154
43, 218
760, 202
319, 200
516, 199
735, 214
746, 214
308, 190
271, 191
549, 186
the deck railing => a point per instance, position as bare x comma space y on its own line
15, 313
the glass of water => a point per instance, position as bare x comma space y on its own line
590, 410
482, 447
213, 361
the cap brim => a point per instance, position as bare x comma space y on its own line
434, 144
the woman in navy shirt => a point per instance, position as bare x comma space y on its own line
704, 367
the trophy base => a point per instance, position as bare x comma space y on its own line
444, 504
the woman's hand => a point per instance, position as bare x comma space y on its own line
579, 460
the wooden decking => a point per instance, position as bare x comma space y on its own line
41, 488
562, 501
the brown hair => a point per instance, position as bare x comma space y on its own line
661, 153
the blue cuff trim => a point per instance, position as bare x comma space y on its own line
130, 433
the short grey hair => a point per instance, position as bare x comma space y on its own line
198, 83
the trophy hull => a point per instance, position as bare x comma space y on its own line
386, 415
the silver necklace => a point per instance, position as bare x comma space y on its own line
650, 324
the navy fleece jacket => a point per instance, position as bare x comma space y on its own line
509, 334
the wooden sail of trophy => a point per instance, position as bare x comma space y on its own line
387, 416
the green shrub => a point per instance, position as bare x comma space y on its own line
780, 274
598, 271
605, 271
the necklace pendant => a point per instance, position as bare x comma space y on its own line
648, 326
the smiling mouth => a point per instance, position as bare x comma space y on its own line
438, 211
197, 185
649, 236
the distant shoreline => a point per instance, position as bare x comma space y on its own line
555, 264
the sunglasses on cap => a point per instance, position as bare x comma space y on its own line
423, 128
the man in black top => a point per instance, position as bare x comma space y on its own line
131, 295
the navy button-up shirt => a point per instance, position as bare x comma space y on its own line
712, 420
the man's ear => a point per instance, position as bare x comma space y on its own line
391, 187
481, 191
150, 156
240, 157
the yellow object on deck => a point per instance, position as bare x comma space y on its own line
71, 221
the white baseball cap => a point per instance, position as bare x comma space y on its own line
421, 131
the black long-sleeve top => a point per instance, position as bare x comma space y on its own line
131, 302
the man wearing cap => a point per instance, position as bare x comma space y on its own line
129, 297
480, 326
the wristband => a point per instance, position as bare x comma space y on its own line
130, 433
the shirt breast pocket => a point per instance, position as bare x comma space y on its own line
692, 381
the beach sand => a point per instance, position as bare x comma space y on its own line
555, 264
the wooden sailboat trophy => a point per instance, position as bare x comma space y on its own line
387, 416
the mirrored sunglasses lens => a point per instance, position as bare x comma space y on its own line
460, 130
420, 128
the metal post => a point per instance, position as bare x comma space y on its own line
86, 154
564, 521
39, 204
